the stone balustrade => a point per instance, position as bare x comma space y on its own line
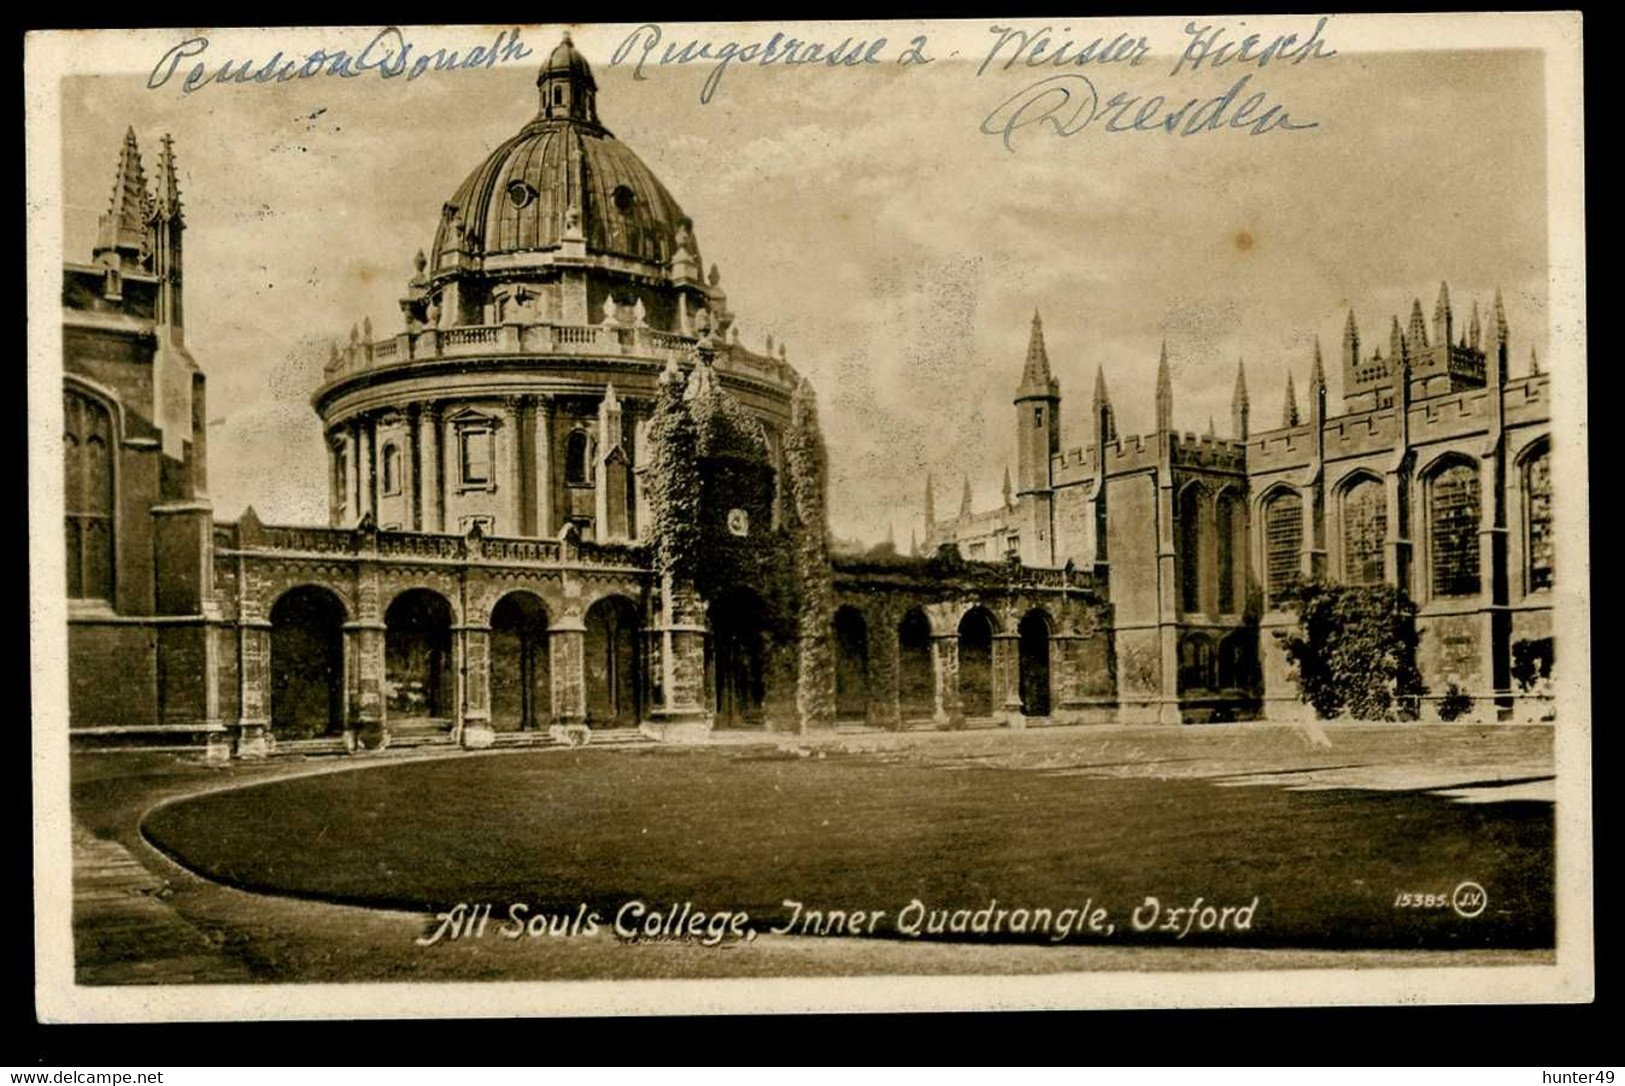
596, 341
250, 536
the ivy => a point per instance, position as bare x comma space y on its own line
806, 468
1354, 650
1532, 662
674, 490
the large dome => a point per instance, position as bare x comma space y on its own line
519, 199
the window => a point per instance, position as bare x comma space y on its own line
623, 199
1012, 546
1283, 542
341, 474
1190, 549
392, 469
1365, 530
1038, 417
575, 458
87, 446
978, 551
558, 95
1196, 663
1453, 531
476, 457
1537, 491
1225, 521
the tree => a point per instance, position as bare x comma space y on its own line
1354, 650
806, 466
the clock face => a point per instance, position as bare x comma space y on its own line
738, 522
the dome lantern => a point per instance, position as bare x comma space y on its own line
566, 86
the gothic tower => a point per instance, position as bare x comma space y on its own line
1038, 438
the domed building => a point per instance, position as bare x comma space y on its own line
564, 500
562, 278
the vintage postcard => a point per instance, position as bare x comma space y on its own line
604, 519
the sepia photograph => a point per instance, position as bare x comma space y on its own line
749, 517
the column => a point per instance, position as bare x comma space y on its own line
678, 711
413, 468
476, 732
448, 473
567, 667
369, 476
948, 712
885, 708
510, 468
354, 490
254, 691
1167, 594
1007, 678
543, 489
365, 718
429, 470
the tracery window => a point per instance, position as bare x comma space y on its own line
1283, 542
1365, 530
1190, 549
1196, 663
1224, 517
1537, 489
1453, 530
87, 441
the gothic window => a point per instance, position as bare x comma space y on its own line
87, 441
475, 449
392, 469
1453, 530
1365, 528
1190, 549
1196, 663
575, 458
1283, 542
1225, 525
1012, 546
1537, 490
1038, 417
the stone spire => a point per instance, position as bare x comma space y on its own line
1008, 501
1443, 320
1534, 361
1239, 407
930, 505
1500, 319
913, 543
1035, 373
1416, 333
1289, 409
1396, 342
121, 234
1351, 347
964, 498
1212, 431
166, 227
1474, 329
1165, 392
1105, 417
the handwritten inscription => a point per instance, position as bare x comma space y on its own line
1068, 104
388, 55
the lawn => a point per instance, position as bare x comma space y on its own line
744, 829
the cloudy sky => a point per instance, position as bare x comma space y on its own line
863, 217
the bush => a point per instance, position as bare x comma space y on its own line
1354, 650
1455, 704
1532, 662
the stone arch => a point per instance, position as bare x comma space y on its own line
977, 627
419, 672
1282, 524
1230, 549
389, 594
613, 662
1238, 659
1534, 486
1033, 661
1452, 491
1362, 516
307, 662
1191, 504
850, 629
521, 696
1197, 670
916, 682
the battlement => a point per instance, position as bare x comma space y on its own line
1208, 451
